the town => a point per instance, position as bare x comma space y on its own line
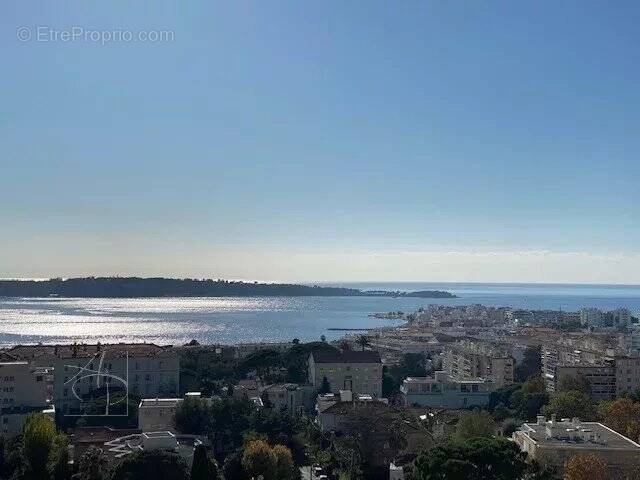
536, 394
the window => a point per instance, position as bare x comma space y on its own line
38, 378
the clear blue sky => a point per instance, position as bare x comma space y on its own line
323, 140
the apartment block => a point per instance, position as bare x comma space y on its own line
627, 372
552, 443
24, 389
608, 375
443, 391
469, 360
81, 371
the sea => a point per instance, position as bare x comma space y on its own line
227, 320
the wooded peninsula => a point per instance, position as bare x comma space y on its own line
133, 287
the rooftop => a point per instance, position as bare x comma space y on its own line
84, 350
100, 434
159, 402
577, 435
346, 356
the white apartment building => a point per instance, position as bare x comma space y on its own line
23, 390
442, 391
82, 370
552, 443
360, 372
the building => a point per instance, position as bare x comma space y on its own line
24, 389
249, 389
357, 371
349, 414
552, 443
181, 444
443, 391
83, 438
157, 413
600, 378
468, 360
607, 375
627, 373
585, 358
289, 397
621, 318
81, 371
591, 317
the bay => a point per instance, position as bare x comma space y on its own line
270, 319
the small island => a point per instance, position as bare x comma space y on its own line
136, 287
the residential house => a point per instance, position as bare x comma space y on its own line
357, 371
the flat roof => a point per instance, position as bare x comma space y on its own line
86, 350
346, 356
160, 402
609, 439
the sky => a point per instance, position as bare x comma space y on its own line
321, 141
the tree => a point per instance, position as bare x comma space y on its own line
13, 459
387, 383
585, 467
284, 463
475, 424
344, 345
571, 404
156, 464
363, 341
325, 387
258, 458
59, 458
411, 365
523, 401
623, 416
232, 467
531, 365
92, 465
474, 459
38, 436
203, 468
193, 416
378, 433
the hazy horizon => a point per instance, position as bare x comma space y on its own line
330, 282
458, 142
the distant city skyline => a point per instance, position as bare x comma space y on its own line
328, 142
